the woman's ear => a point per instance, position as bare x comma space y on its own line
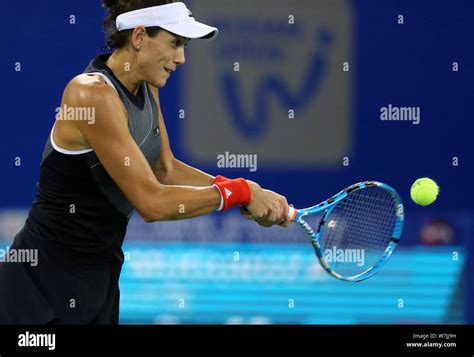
137, 38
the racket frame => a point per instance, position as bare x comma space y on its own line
327, 206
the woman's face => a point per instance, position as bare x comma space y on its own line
159, 56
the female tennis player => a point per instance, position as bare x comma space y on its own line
96, 173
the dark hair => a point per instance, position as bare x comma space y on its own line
118, 39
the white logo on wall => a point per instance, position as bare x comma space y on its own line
271, 84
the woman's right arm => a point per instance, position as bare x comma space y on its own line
112, 142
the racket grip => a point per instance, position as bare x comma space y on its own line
292, 213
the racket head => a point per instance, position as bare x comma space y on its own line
359, 229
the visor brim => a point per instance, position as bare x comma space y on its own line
193, 30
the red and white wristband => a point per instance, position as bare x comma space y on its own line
233, 192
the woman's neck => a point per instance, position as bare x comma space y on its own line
120, 64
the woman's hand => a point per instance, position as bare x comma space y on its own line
266, 207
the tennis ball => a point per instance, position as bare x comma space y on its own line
424, 191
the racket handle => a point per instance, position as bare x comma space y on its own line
292, 213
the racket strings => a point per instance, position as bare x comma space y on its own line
372, 235
360, 232
359, 226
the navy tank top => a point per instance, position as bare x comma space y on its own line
77, 205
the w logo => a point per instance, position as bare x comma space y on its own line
272, 87
254, 123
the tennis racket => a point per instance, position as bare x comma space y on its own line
358, 231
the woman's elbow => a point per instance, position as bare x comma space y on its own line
151, 207
153, 214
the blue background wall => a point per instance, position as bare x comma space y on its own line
406, 65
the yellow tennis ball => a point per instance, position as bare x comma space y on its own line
424, 191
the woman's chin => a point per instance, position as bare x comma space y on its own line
159, 83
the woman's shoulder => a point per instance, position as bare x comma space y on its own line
87, 87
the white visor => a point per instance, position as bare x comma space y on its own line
174, 17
